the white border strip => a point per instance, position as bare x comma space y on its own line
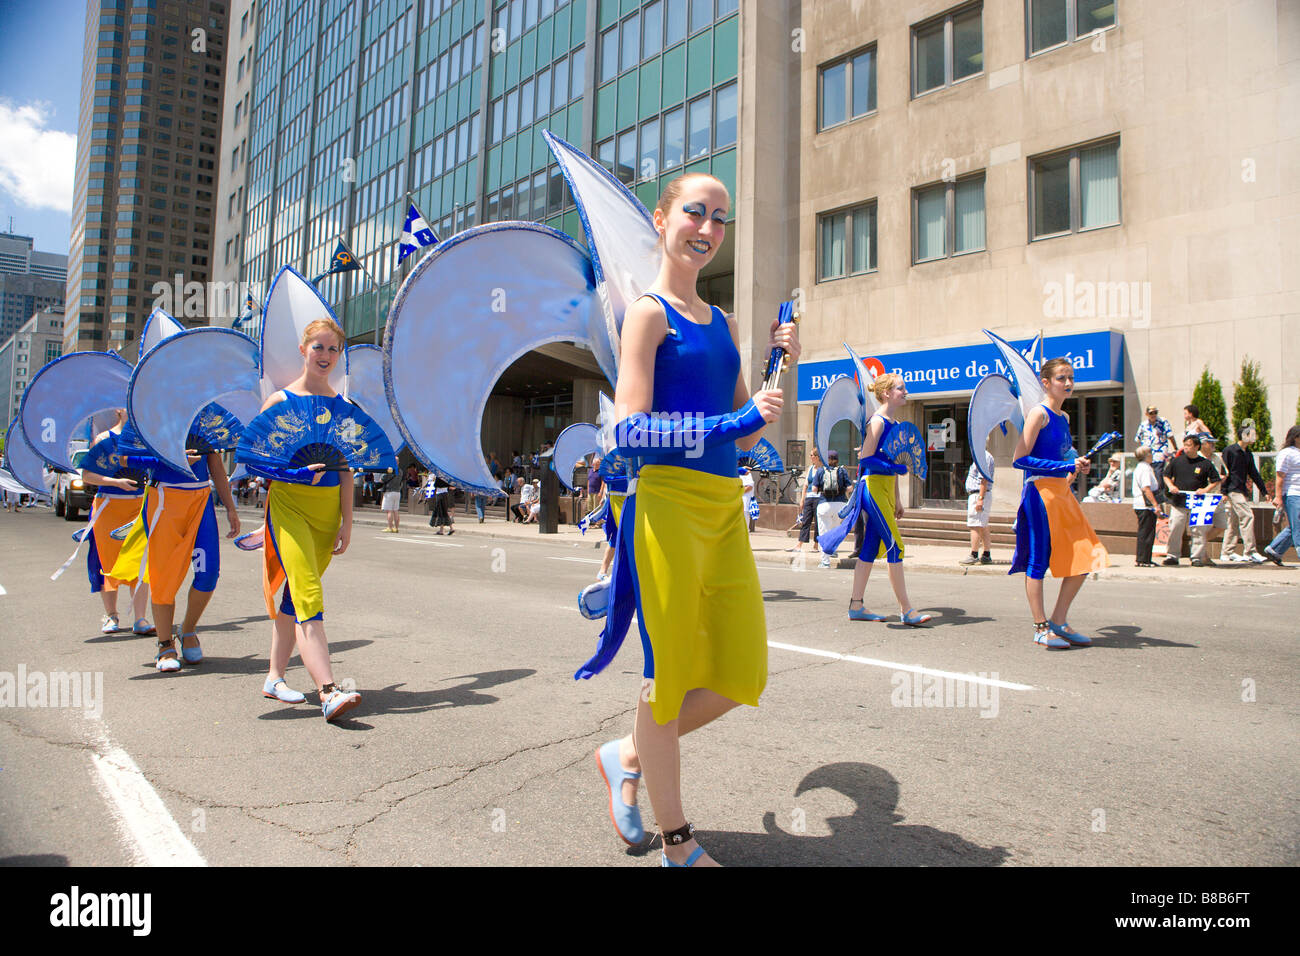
911, 668
152, 835
433, 544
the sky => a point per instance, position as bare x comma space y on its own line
40, 85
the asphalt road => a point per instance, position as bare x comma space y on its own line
1171, 741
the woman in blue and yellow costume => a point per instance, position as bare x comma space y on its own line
876, 499
1051, 530
308, 521
118, 501
682, 539
177, 531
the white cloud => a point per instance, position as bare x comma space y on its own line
37, 165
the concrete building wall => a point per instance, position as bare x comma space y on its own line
1205, 101
232, 164
26, 352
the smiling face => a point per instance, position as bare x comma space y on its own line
691, 220
321, 352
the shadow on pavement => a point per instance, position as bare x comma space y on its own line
393, 700
248, 664
783, 594
873, 835
950, 616
1127, 637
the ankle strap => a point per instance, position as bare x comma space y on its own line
679, 836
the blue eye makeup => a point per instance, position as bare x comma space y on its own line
694, 209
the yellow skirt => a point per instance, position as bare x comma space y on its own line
699, 602
302, 523
130, 564
113, 512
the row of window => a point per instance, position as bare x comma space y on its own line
559, 84
514, 17
948, 49
653, 28
1073, 190
662, 144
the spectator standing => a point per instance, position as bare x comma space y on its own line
391, 503
1239, 464
812, 497
835, 494
978, 506
1192, 424
1146, 506
1157, 434
440, 517
1189, 472
1286, 497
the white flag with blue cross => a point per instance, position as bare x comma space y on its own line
416, 233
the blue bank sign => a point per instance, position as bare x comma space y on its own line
1097, 358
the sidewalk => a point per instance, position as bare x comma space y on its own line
772, 547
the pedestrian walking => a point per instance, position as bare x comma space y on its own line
1286, 497
1239, 464
1146, 506
1158, 435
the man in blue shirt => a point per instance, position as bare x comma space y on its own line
1157, 434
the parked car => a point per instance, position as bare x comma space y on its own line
71, 494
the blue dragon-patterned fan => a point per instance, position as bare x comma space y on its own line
905, 444
327, 431
105, 458
214, 429
614, 465
762, 457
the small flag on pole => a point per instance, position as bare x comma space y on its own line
250, 306
1200, 510
416, 233
342, 261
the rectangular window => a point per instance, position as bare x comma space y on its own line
674, 137
648, 167
1074, 190
724, 122
652, 29
948, 219
626, 171
1051, 23
699, 130
631, 42
675, 30
846, 242
947, 49
847, 89
609, 54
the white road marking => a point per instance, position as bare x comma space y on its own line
892, 665
436, 544
151, 834
3, 591
578, 560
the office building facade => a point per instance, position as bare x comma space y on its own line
349, 111
36, 342
29, 280
1118, 176
148, 138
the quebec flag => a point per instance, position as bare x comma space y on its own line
1201, 510
416, 234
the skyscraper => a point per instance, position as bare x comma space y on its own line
29, 280
147, 144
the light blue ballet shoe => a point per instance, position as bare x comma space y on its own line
1044, 638
690, 860
192, 655
278, 690
338, 702
862, 614
626, 819
1069, 634
914, 619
